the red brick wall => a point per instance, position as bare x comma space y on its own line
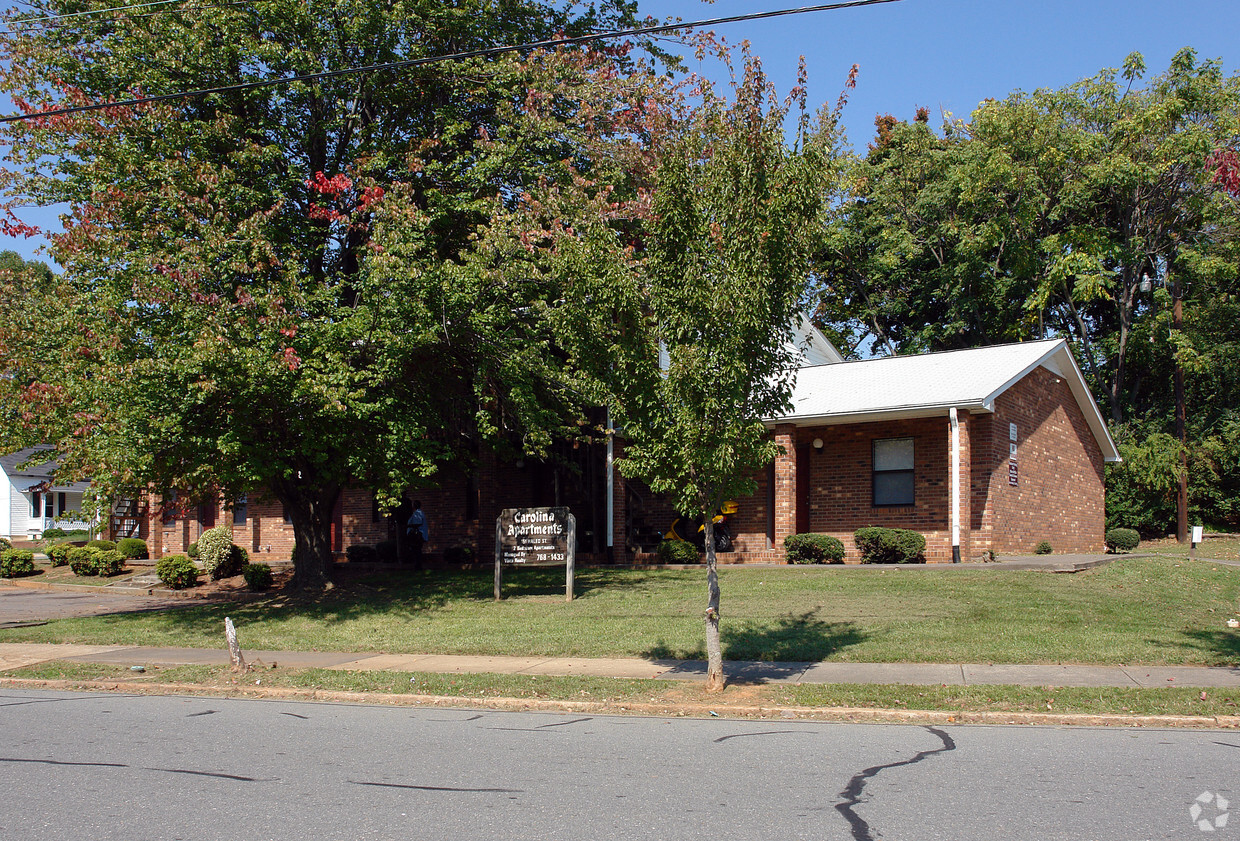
1060, 493
841, 485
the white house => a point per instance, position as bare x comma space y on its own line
29, 502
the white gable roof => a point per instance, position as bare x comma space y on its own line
813, 346
930, 384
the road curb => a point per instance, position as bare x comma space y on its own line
857, 715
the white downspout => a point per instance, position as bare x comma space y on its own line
955, 422
611, 483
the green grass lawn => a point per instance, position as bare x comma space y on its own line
1223, 548
1135, 610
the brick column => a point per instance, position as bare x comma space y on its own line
154, 527
785, 483
966, 487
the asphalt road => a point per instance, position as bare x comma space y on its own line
107, 766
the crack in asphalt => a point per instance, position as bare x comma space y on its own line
61, 762
856, 786
764, 733
218, 775
440, 788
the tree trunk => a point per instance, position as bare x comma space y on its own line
714, 654
310, 509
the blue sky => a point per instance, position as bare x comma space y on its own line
951, 54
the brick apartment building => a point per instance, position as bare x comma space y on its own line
984, 450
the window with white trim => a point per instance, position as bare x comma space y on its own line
893, 472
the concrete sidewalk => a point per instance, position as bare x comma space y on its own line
16, 655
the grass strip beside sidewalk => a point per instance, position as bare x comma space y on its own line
617, 693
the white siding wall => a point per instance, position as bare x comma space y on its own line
6, 495
19, 511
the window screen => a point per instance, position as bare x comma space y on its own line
893, 471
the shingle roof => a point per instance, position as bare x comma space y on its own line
929, 384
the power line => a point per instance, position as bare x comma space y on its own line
90, 12
417, 62
51, 20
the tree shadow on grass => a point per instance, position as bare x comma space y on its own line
394, 593
792, 638
1223, 647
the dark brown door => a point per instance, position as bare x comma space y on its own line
804, 454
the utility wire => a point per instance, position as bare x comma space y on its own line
417, 62
52, 21
90, 12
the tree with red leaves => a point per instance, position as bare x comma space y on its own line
280, 289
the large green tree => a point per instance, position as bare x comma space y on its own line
685, 296
273, 288
1098, 212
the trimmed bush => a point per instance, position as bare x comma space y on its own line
83, 560
257, 576
386, 550
889, 546
813, 549
362, 554
53, 532
106, 545
177, 572
678, 552
219, 556
5, 543
132, 548
458, 555
1122, 540
109, 561
1043, 548
57, 554
15, 563
192, 551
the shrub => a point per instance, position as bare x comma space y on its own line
233, 565
5, 543
813, 549
889, 546
58, 554
192, 551
1043, 548
132, 548
83, 560
257, 576
16, 562
361, 554
677, 552
458, 555
177, 572
108, 561
215, 553
106, 545
53, 532
386, 550
1122, 540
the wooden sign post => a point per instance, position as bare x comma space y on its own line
535, 537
